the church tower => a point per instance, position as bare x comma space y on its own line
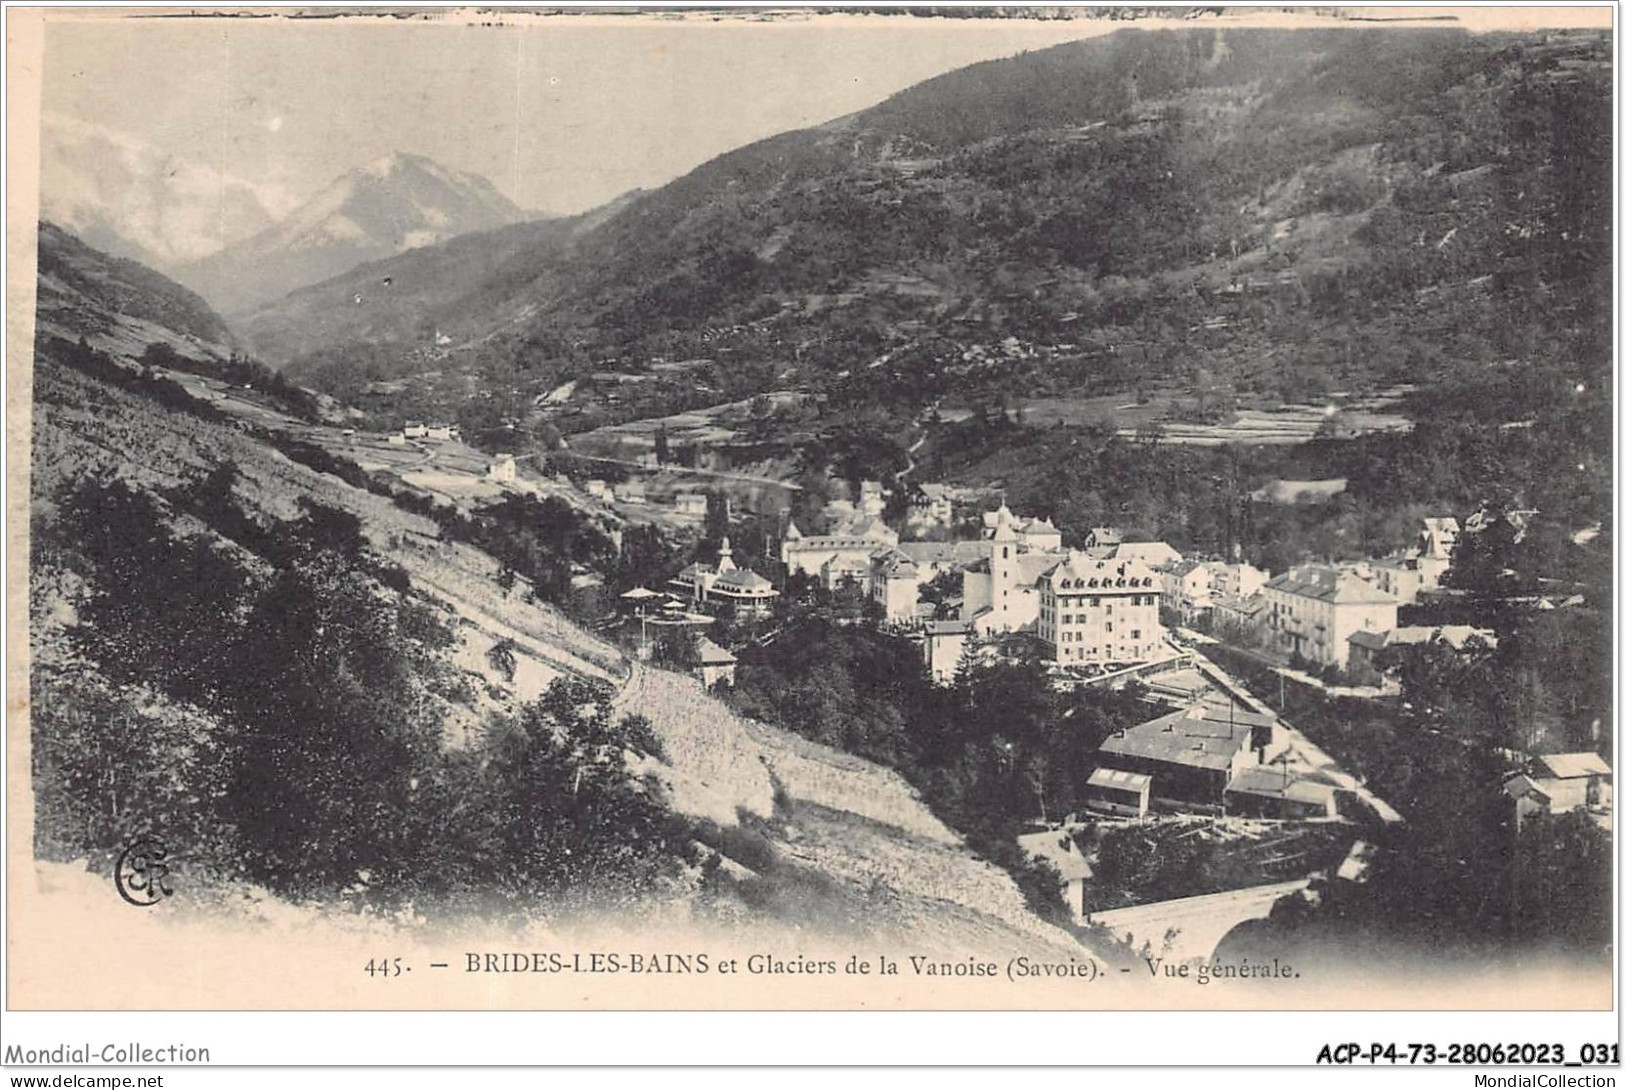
1002, 565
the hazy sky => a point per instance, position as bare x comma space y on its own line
561, 115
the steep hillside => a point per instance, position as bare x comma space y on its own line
398, 203
1281, 212
187, 600
117, 304
405, 301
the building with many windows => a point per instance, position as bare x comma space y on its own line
1313, 610
1100, 611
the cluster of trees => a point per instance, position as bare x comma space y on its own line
269, 699
238, 370
989, 753
1456, 879
102, 366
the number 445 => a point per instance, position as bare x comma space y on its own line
384, 967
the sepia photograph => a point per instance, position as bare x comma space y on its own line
827, 509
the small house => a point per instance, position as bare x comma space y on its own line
502, 469
716, 663
1561, 783
1113, 791
1056, 847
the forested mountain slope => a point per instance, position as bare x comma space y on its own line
1284, 211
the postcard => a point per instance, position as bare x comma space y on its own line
807, 509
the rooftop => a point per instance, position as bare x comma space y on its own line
1197, 737
956, 627
1082, 571
1056, 848
1156, 554
712, 654
1273, 783
1567, 766
1117, 778
1456, 635
1329, 585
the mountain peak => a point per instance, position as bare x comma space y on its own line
396, 161
398, 202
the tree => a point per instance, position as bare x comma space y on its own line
501, 657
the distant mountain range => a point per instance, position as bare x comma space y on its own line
241, 244
118, 305
397, 203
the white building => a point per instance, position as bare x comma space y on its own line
1100, 611
1313, 610
1187, 590
725, 582
503, 469
717, 663
1057, 848
1001, 594
808, 555
1435, 547
1031, 534
894, 585
1560, 783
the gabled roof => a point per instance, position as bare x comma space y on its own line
1521, 785
1056, 849
1329, 585
1271, 783
1568, 766
895, 564
1030, 567
713, 655
1155, 554
928, 552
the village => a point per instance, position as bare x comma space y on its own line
1110, 612
965, 580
